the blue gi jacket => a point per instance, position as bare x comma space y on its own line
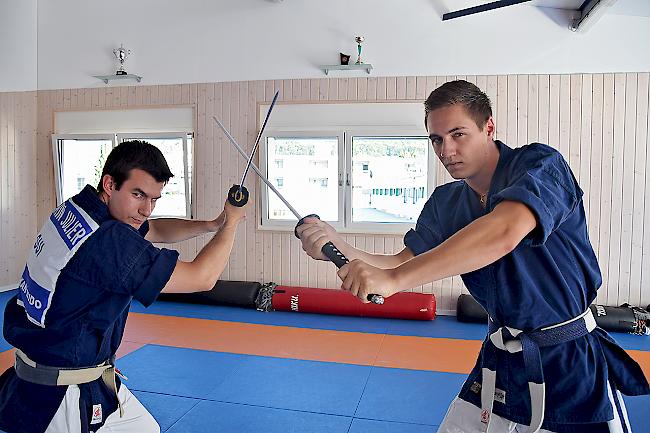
552, 276
83, 324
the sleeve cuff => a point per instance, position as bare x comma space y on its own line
414, 242
159, 274
544, 226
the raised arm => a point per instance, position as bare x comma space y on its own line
202, 273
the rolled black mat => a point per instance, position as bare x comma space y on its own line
239, 293
470, 311
616, 319
625, 318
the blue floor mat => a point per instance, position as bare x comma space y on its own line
217, 417
409, 396
177, 371
372, 426
312, 386
166, 409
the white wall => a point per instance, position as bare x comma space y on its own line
17, 45
224, 40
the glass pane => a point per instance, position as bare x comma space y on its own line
305, 171
82, 162
389, 178
172, 202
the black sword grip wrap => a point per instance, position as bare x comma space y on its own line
236, 197
339, 259
333, 253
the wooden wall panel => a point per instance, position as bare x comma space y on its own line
17, 182
598, 121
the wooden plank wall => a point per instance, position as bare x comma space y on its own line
598, 121
17, 182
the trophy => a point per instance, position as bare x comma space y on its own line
121, 55
359, 40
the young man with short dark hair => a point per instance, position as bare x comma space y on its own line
514, 227
93, 255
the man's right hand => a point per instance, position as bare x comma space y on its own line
315, 233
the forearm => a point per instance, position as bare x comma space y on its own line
479, 244
202, 273
212, 259
170, 230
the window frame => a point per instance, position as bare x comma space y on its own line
397, 132
56, 156
115, 139
189, 208
265, 223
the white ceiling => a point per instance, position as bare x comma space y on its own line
620, 7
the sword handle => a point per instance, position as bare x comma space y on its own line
238, 195
337, 257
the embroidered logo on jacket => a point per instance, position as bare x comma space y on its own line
97, 414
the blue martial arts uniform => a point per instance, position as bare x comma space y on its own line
551, 277
98, 265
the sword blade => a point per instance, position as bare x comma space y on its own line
257, 141
257, 170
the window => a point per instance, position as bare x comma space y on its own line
387, 163
79, 159
309, 174
322, 181
319, 164
178, 150
359, 181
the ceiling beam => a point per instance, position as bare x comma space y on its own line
590, 11
481, 8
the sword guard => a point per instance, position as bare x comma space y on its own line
238, 196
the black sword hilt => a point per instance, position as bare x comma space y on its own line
337, 257
238, 195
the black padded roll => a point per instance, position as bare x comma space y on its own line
239, 293
616, 319
470, 311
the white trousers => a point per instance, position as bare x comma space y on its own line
136, 419
464, 417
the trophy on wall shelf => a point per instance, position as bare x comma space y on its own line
359, 40
121, 54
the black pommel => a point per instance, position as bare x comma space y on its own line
238, 195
